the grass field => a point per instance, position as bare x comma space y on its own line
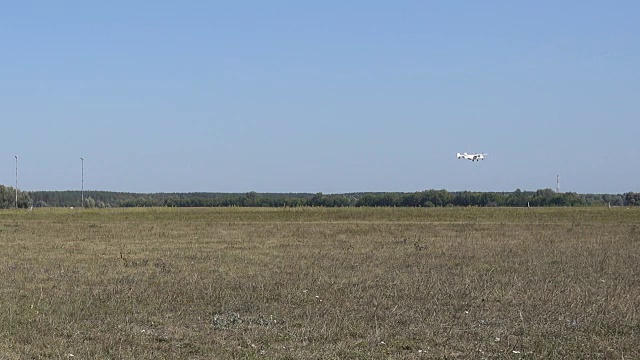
351, 283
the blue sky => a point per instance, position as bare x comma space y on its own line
333, 96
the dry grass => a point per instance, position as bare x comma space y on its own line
320, 283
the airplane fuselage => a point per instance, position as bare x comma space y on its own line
472, 157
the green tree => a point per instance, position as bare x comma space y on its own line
8, 198
543, 197
89, 202
250, 199
632, 199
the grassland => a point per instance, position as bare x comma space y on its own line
352, 283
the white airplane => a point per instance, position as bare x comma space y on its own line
472, 157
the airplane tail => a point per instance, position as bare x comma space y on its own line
459, 155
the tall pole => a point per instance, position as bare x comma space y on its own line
16, 181
82, 159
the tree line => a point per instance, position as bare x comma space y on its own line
427, 198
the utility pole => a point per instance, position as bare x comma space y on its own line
16, 181
82, 186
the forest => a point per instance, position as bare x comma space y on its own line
427, 198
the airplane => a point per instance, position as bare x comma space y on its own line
472, 157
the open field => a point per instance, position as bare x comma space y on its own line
316, 283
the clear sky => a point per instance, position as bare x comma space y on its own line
320, 96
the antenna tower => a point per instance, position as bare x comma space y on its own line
557, 183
